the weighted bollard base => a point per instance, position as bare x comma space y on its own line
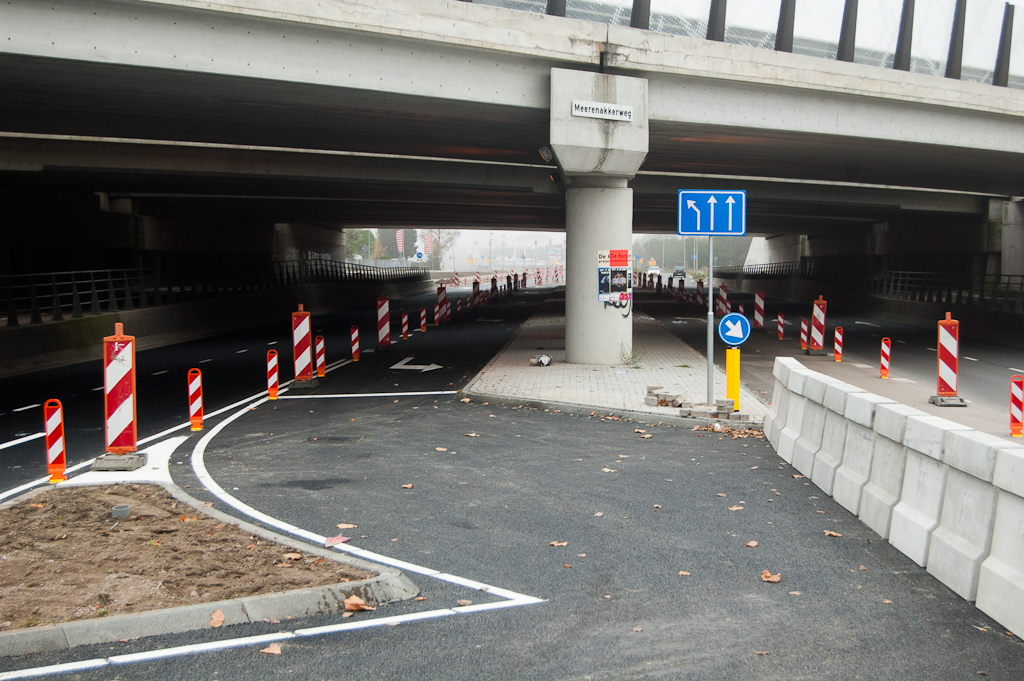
947, 401
304, 385
119, 462
816, 352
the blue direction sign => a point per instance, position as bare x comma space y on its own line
734, 329
712, 213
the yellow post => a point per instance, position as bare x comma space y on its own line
732, 377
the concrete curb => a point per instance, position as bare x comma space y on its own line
580, 409
388, 586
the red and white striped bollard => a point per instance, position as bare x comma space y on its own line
302, 345
948, 363
195, 399
119, 392
383, 323
321, 356
781, 327
405, 326
883, 366
837, 343
1016, 405
56, 451
817, 341
354, 334
272, 374
803, 334
423, 320
758, 311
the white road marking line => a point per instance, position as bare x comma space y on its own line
272, 343
902, 342
409, 394
18, 441
161, 373
932, 349
54, 669
97, 389
899, 379
26, 408
970, 359
863, 366
1015, 369
868, 324
204, 361
238, 352
199, 648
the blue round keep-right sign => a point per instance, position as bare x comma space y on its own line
734, 329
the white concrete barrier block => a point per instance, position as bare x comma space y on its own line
782, 366
830, 455
853, 474
1009, 472
963, 538
1001, 581
797, 378
860, 407
891, 420
780, 407
794, 422
814, 387
811, 432
835, 395
882, 491
916, 515
927, 434
973, 452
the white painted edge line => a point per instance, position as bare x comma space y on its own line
863, 366
1015, 369
35, 483
148, 655
379, 622
348, 395
65, 668
26, 407
36, 436
970, 359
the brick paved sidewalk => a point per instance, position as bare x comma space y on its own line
663, 360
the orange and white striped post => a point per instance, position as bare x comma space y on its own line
405, 326
423, 320
883, 368
119, 392
948, 364
817, 340
321, 356
1016, 405
302, 347
272, 374
837, 343
803, 334
780, 328
56, 451
437, 314
195, 398
354, 334
458, 306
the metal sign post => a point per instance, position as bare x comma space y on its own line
696, 217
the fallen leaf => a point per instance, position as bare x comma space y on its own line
737, 508
669, 480
887, 601
684, 573
608, 470
581, 555
751, 543
293, 556
761, 652
558, 543
282, 565
830, 533
420, 598
767, 576
639, 430
464, 399
646, 436
863, 569
346, 526
217, 618
797, 475
406, 486
599, 514
720, 494
464, 602
272, 649
334, 541
353, 603
37, 505
657, 506
347, 614
820, 512
440, 449
472, 435
796, 593
753, 468
638, 629
567, 566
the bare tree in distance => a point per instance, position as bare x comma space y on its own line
444, 239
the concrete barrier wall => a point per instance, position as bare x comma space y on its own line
947, 496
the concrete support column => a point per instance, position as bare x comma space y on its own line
599, 217
1012, 251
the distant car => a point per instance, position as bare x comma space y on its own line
679, 271
653, 271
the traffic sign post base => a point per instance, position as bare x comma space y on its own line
821, 352
953, 401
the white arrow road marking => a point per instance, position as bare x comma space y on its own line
734, 329
730, 201
404, 364
693, 205
711, 202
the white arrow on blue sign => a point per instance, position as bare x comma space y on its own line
734, 329
712, 213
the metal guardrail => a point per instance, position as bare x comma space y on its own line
53, 296
1001, 293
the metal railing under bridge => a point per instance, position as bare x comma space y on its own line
1000, 293
55, 296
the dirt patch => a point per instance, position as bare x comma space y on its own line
64, 558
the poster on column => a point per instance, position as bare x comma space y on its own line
614, 283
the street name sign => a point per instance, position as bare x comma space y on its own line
712, 212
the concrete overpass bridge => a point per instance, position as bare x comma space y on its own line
182, 126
